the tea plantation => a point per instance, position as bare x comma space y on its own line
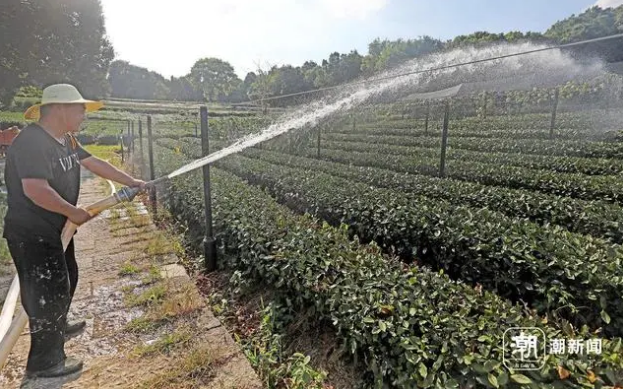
422, 275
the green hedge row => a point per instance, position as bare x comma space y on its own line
589, 122
596, 218
483, 130
548, 267
567, 148
412, 327
590, 166
580, 186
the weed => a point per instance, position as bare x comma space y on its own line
141, 325
180, 304
153, 276
193, 369
159, 245
152, 295
128, 269
264, 351
163, 345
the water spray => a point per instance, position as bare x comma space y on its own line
406, 76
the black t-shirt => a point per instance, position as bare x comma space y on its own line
35, 153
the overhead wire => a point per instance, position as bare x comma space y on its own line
445, 67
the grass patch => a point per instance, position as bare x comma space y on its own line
183, 303
142, 325
153, 276
128, 289
159, 245
164, 306
190, 371
107, 153
131, 211
115, 214
172, 306
119, 227
6, 116
138, 219
163, 345
152, 295
128, 269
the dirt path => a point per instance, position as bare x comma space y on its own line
147, 326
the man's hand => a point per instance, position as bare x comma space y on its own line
79, 216
41, 193
137, 184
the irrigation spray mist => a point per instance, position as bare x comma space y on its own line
549, 66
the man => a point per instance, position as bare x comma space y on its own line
42, 175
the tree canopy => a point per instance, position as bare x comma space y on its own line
135, 82
215, 77
53, 41
593, 23
65, 40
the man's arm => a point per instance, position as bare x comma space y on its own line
41, 193
109, 172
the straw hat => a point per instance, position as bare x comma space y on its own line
61, 94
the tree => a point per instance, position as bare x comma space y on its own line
309, 72
129, 81
215, 77
484, 38
593, 23
249, 79
287, 80
46, 42
344, 68
478, 38
182, 89
384, 55
377, 46
237, 92
261, 87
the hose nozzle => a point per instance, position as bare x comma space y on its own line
126, 194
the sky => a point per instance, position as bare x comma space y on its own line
170, 36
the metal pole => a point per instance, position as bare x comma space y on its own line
127, 146
427, 116
140, 144
132, 144
121, 143
152, 168
209, 244
444, 141
554, 109
319, 133
484, 107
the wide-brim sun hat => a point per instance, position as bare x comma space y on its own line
61, 94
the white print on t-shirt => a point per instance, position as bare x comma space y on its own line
69, 162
